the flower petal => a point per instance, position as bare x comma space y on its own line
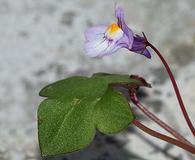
101, 40
119, 13
95, 32
103, 47
96, 48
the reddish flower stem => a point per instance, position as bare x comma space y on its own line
183, 109
165, 126
163, 137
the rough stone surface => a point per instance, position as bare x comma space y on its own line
42, 41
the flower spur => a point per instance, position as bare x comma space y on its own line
106, 40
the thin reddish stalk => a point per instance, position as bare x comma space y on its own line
157, 120
173, 141
183, 109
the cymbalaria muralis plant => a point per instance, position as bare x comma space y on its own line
76, 107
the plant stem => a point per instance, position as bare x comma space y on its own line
173, 141
183, 109
165, 126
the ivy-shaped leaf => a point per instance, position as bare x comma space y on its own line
75, 107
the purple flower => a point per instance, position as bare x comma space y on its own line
106, 40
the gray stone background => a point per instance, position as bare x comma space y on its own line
41, 41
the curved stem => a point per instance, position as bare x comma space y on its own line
173, 141
183, 109
157, 120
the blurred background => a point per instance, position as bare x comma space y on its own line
41, 41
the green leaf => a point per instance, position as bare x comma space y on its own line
75, 107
